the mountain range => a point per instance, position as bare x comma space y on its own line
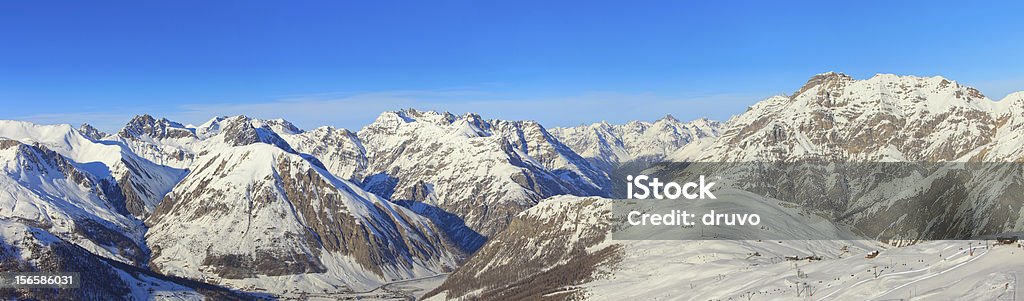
248, 208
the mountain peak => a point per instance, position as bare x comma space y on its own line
91, 132
146, 125
241, 130
410, 115
278, 125
827, 80
669, 117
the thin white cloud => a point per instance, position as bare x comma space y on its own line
109, 122
354, 111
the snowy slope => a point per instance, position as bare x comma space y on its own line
27, 249
1008, 142
44, 189
139, 182
86, 192
563, 247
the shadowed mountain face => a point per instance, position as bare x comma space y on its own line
568, 255
28, 249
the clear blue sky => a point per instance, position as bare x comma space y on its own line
560, 62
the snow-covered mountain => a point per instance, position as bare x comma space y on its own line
441, 165
610, 146
234, 171
46, 190
173, 144
258, 216
135, 182
71, 203
885, 118
469, 174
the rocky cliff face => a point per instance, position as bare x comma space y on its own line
159, 140
340, 150
90, 132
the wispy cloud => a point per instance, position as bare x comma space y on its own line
105, 121
354, 111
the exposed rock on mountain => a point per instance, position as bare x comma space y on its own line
90, 132
145, 125
159, 140
34, 177
240, 130
339, 149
